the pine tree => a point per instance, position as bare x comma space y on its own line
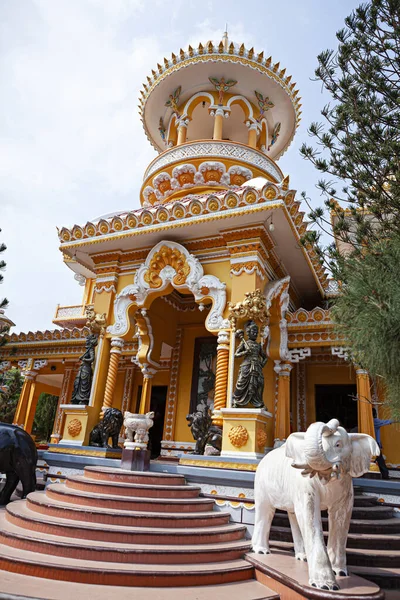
357, 149
358, 144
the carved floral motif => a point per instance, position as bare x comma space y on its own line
74, 427
238, 436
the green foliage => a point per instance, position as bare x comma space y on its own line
11, 384
44, 416
358, 144
357, 149
367, 313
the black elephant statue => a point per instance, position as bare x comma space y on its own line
18, 457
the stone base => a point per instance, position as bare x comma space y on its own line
135, 460
63, 448
238, 463
251, 423
74, 424
288, 577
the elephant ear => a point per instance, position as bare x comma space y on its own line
364, 447
295, 449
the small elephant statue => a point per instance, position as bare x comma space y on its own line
137, 426
311, 472
108, 427
18, 458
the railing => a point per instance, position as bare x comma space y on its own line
70, 312
215, 149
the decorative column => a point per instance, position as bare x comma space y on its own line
117, 344
364, 403
182, 131
221, 377
28, 389
282, 417
146, 390
364, 406
252, 139
64, 396
218, 123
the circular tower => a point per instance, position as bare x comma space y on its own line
218, 115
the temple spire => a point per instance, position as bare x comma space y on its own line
225, 38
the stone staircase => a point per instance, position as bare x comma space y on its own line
121, 528
373, 545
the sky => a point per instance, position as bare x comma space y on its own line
72, 146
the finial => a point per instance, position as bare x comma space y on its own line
225, 38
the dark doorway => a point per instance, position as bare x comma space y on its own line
337, 402
157, 405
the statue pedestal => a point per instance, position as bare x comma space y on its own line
288, 577
245, 432
135, 460
74, 424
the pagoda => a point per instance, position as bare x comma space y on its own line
218, 234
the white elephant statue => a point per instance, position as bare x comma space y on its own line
311, 472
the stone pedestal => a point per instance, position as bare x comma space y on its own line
74, 424
245, 432
135, 460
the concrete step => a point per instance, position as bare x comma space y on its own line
364, 513
37, 541
381, 526
19, 514
384, 577
13, 585
79, 482
59, 491
362, 500
354, 540
121, 574
356, 556
142, 477
39, 502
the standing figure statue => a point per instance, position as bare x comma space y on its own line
250, 381
83, 379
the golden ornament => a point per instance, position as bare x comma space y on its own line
238, 436
74, 427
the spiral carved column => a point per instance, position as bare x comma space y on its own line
221, 377
282, 417
115, 353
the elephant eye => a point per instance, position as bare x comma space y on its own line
338, 444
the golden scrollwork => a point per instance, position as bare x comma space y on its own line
253, 306
238, 436
74, 427
167, 257
95, 321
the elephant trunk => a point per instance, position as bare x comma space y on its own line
314, 451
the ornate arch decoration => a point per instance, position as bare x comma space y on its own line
169, 266
195, 101
245, 106
277, 297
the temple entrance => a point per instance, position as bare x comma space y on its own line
157, 405
337, 402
